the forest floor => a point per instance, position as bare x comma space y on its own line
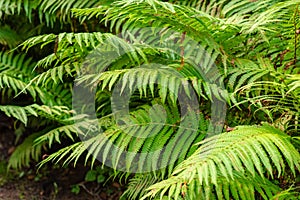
26, 188
51, 183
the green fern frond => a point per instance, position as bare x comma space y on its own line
53, 75
16, 85
155, 13
7, 8
247, 72
147, 77
41, 39
293, 82
138, 184
136, 134
49, 11
9, 37
25, 152
290, 193
224, 9
13, 64
62, 153
71, 46
10, 7
56, 113
15, 71
53, 10
20, 113
241, 187
70, 130
83, 40
269, 90
246, 150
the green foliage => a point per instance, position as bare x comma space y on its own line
96, 175
48, 10
25, 152
241, 52
75, 189
8, 37
245, 152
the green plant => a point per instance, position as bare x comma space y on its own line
254, 46
75, 189
97, 174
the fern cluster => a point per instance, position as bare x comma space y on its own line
143, 85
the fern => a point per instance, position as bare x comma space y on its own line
271, 92
69, 129
139, 105
48, 11
137, 185
8, 37
25, 152
246, 150
13, 73
149, 133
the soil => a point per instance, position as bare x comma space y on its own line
52, 183
30, 190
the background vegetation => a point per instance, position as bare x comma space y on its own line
254, 45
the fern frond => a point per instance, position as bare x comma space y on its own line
10, 7
56, 113
139, 14
18, 112
271, 91
48, 10
13, 64
248, 72
138, 184
241, 187
15, 71
246, 150
17, 85
7, 8
9, 37
69, 129
63, 152
141, 135
53, 10
25, 152
142, 78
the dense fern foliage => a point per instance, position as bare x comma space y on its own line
152, 88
